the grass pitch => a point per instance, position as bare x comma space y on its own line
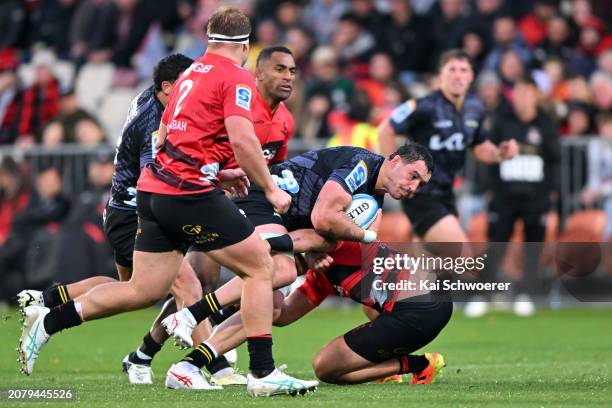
555, 359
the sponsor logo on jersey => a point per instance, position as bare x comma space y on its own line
357, 177
201, 68
471, 123
534, 136
443, 124
243, 96
400, 113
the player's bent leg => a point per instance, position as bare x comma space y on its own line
336, 363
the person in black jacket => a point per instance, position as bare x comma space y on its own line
524, 186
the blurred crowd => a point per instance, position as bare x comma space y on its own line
70, 68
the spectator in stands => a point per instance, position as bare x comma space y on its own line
448, 25
599, 186
380, 72
14, 195
593, 41
37, 105
353, 45
13, 20
321, 16
266, 36
558, 42
354, 128
288, 14
371, 19
511, 69
580, 119
473, 42
505, 38
46, 209
323, 91
489, 88
300, 41
578, 89
484, 16
48, 21
604, 62
534, 26
9, 92
406, 37
557, 88
601, 88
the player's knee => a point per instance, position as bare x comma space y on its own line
187, 289
323, 370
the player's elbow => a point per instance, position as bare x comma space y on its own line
322, 222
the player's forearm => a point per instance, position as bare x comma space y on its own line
308, 240
338, 227
250, 158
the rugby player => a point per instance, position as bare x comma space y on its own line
408, 320
274, 125
321, 184
180, 203
448, 122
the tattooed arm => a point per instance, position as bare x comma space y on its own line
329, 217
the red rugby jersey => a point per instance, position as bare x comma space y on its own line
351, 276
197, 145
272, 129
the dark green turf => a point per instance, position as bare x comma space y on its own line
555, 359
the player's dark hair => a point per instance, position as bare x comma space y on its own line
412, 152
229, 21
456, 54
266, 53
169, 68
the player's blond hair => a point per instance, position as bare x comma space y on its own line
228, 21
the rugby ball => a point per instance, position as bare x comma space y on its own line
363, 210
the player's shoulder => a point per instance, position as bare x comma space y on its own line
473, 102
286, 115
141, 105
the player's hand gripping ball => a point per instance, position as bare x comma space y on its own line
363, 210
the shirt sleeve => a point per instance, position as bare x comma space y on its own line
238, 97
482, 133
314, 289
404, 117
356, 176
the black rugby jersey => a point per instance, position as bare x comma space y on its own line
303, 176
134, 148
434, 122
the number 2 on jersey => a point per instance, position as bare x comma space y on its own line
184, 89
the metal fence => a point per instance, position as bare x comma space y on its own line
73, 161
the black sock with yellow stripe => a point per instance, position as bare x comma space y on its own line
55, 296
202, 355
205, 307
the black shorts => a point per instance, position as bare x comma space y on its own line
205, 221
410, 326
120, 229
257, 208
425, 210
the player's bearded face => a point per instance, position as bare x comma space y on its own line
456, 77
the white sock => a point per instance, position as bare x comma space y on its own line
223, 372
215, 354
142, 355
79, 309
